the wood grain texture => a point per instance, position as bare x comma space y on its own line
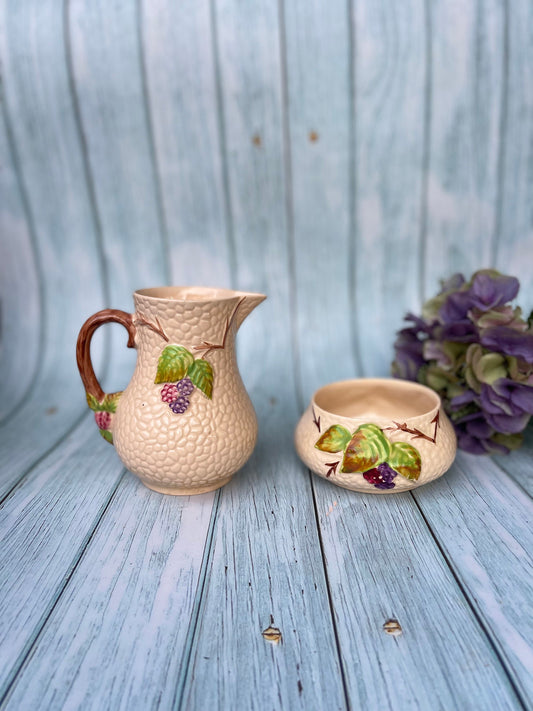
369, 582
467, 59
46, 524
54, 179
383, 564
519, 466
391, 66
318, 56
514, 239
482, 521
182, 88
265, 567
21, 282
116, 638
108, 89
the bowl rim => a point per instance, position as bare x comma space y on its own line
395, 383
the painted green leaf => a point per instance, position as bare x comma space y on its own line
106, 434
93, 402
201, 374
108, 404
110, 401
367, 449
405, 459
333, 439
173, 364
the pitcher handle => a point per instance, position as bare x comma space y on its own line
103, 405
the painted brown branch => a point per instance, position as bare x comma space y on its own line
207, 346
315, 420
143, 321
417, 434
332, 468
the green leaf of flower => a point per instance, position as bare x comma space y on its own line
201, 374
333, 439
492, 368
405, 459
511, 441
367, 449
173, 364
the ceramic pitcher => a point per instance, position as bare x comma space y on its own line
185, 423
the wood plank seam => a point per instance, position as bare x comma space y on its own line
426, 151
89, 179
352, 187
293, 305
221, 130
492, 640
289, 200
514, 480
158, 188
18, 483
32, 378
197, 605
498, 222
26, 653
330, 596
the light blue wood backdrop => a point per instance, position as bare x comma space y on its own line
340, 156
368, 147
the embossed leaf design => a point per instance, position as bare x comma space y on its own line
334, 439
201, 374
106, 434
93, 402
110, 401
173, 364
108, 404
367, 449
405, 459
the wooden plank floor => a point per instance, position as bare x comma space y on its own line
114, 596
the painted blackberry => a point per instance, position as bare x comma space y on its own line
381, 477
103, 420
169, 392
185, 387
180, 405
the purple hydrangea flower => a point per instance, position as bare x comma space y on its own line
487, 290
509, 341
409, 356
476, 350
462, 331
453, 283
490, 290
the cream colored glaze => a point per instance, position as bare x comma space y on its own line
380, 401
201, 449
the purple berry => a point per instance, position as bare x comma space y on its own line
381, 477
169, 393
180, 405
185, 387
103, 420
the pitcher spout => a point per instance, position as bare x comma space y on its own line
248, 302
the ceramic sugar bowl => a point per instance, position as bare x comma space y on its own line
185, 423
376, 435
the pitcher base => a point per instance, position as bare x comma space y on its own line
187, 490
